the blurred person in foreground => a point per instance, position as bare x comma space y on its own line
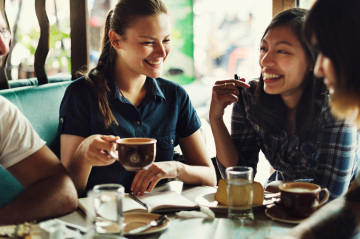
333, 27
49, 191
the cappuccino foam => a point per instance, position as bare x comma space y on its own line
299, 190
136, 141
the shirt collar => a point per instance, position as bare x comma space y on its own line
153, 90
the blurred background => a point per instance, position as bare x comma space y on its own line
211, 39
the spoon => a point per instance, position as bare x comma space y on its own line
153, 223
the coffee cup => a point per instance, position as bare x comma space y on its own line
136, 153
301, 199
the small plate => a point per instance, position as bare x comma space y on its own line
208, 200
15, 231
136, 220
279, 214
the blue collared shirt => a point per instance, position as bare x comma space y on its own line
331, 159
165, 113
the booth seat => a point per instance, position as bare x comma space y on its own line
61, 77
40, 104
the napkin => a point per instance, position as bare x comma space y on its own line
205, 212
68, 233
57, 229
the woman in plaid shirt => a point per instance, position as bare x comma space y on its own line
285, 114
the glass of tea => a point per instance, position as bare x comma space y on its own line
240, 192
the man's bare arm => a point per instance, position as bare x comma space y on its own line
49, 191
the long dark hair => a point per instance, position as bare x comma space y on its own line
334, 27
270, 110
119, 20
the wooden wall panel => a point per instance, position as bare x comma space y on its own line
280, 5
42, 49
3, 79
80, 35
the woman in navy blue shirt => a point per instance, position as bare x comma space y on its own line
123, 96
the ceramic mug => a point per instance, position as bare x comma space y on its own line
136, 153
301, 199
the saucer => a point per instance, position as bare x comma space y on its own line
279, 214
208, 200
136, 220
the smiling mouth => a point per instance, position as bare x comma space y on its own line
271, 76
153, 63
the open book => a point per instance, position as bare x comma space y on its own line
165, 201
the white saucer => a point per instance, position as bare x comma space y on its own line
208, 200
136, 220
280, 215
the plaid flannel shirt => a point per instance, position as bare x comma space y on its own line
330, 160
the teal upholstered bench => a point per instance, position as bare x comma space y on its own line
40, 104
34, 81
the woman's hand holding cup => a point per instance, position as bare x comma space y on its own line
94, 150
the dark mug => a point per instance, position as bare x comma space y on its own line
301, 199
136, 153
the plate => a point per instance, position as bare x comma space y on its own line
19, 230
279, 214
208, 200
136, 220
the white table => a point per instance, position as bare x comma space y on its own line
198, 228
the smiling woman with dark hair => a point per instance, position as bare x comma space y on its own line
285, 114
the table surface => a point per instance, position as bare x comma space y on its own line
199, 228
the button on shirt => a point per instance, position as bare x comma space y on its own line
330, 160
165, 113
